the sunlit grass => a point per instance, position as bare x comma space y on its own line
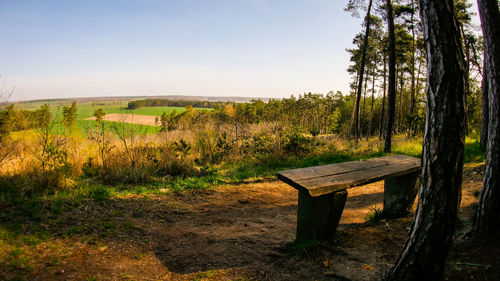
40, 211
412, 147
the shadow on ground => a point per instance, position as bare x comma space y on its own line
236, 232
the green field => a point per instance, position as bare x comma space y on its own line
86, 110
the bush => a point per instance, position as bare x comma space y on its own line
90, 169
177, 167
175, 160
213, 146
296, 142
51, 180
119, 169
260, 144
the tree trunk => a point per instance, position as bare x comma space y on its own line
391, 99
412, 91
382, 112
355, 127
417, 90
467, 72
485, 107
362, 119
353, 106
401, 83
417, 86
369, 131
488, 214
430, 237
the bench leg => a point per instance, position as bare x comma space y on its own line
318, 217
399, 195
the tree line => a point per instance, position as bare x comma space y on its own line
174, 103
14, 120
390, 63
313, 113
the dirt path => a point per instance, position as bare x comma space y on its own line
238, 232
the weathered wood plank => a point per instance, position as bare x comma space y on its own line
343, 176
327, 185
339, 168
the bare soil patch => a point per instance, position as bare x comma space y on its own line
130, 118
235, 232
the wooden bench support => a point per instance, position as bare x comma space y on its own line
399, 195
318, 217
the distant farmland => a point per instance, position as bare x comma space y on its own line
147, 120
86, 110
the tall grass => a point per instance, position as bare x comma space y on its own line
198, 158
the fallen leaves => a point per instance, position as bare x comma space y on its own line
368, 267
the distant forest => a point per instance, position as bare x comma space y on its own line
12, 120
174, 103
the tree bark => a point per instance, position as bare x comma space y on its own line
412, 91
362, 119
400, 118
417, 86
467, 72
369, 131
488, 214
417, 90
391, 95
353, 107
485, 107
382, 112
355, 127
430, 237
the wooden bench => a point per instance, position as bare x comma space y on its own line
323, 190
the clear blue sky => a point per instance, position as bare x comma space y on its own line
267, 48
270, 48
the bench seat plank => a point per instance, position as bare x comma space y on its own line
332, 169
331, 178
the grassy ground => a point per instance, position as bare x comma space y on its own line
237, 231
47, 232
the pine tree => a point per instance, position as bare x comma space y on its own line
428, 242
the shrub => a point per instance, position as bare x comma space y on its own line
175, 160
90, 169
261, 143
121, 169
212, 146
295, 142
177, 167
